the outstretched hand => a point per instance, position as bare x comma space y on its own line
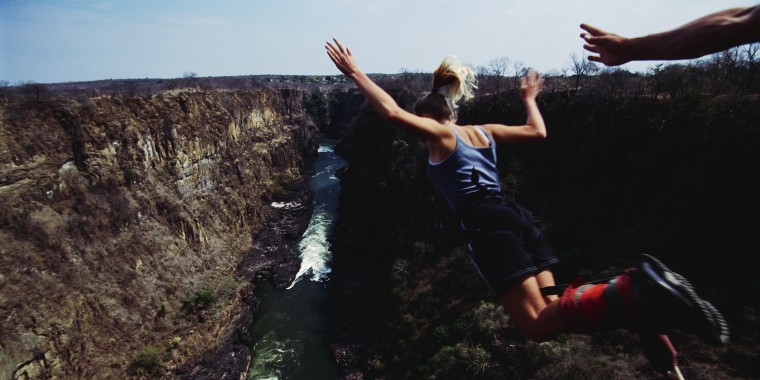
341, 57
531, 84
609, 47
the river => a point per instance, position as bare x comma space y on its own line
291, 327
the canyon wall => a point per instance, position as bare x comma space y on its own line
124, 222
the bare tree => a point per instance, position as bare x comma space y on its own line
484, 75
553, 79
189, 79
614, 82
4, 87
654, 75
519, 70
414, 81
581, 67
34, 91
750, 54
499, 68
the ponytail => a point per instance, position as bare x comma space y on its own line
452, 81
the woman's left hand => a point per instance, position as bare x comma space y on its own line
342, 57
531, 84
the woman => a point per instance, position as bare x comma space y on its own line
503, 243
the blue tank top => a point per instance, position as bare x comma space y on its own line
453, 175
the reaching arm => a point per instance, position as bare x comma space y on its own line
380, 100
709, 34
534, 127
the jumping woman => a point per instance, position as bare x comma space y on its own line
504, 243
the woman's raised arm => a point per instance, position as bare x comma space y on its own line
380, 100
534, 128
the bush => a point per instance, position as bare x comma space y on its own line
200, 300
174, 343
147, 362
461, 359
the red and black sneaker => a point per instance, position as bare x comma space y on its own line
672, 302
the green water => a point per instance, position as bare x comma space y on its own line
291, 328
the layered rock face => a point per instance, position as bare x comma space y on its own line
123, 221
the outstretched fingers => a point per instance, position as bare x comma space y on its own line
532, 83
591, 31
340, 47
594, 36
534, 77
591, 48
331, 53
334, 52
331, 49
595, 58
341, 56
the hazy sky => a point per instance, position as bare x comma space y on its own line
75, 40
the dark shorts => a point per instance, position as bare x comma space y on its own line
505, 242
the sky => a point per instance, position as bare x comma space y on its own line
48, 41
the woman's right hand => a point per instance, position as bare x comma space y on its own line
530, 85
342, 57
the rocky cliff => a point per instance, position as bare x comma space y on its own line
127, 226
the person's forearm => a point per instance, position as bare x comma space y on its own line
709, 34
380, 100
535, 119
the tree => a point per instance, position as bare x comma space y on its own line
654, 74
189, 79
498, 70
4, 87
483, 74
34, 91
414, 81
581, 67
750, 54
519, 69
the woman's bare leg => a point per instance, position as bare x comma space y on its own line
526, 306
546, 279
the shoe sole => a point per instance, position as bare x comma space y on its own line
700, 316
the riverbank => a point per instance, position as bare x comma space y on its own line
269, 260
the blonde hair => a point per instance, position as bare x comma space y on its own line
452, 81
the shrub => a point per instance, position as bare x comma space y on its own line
174, 342
147, 362
198, 301
463, 358
161, 313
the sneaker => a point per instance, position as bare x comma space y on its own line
672, 301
